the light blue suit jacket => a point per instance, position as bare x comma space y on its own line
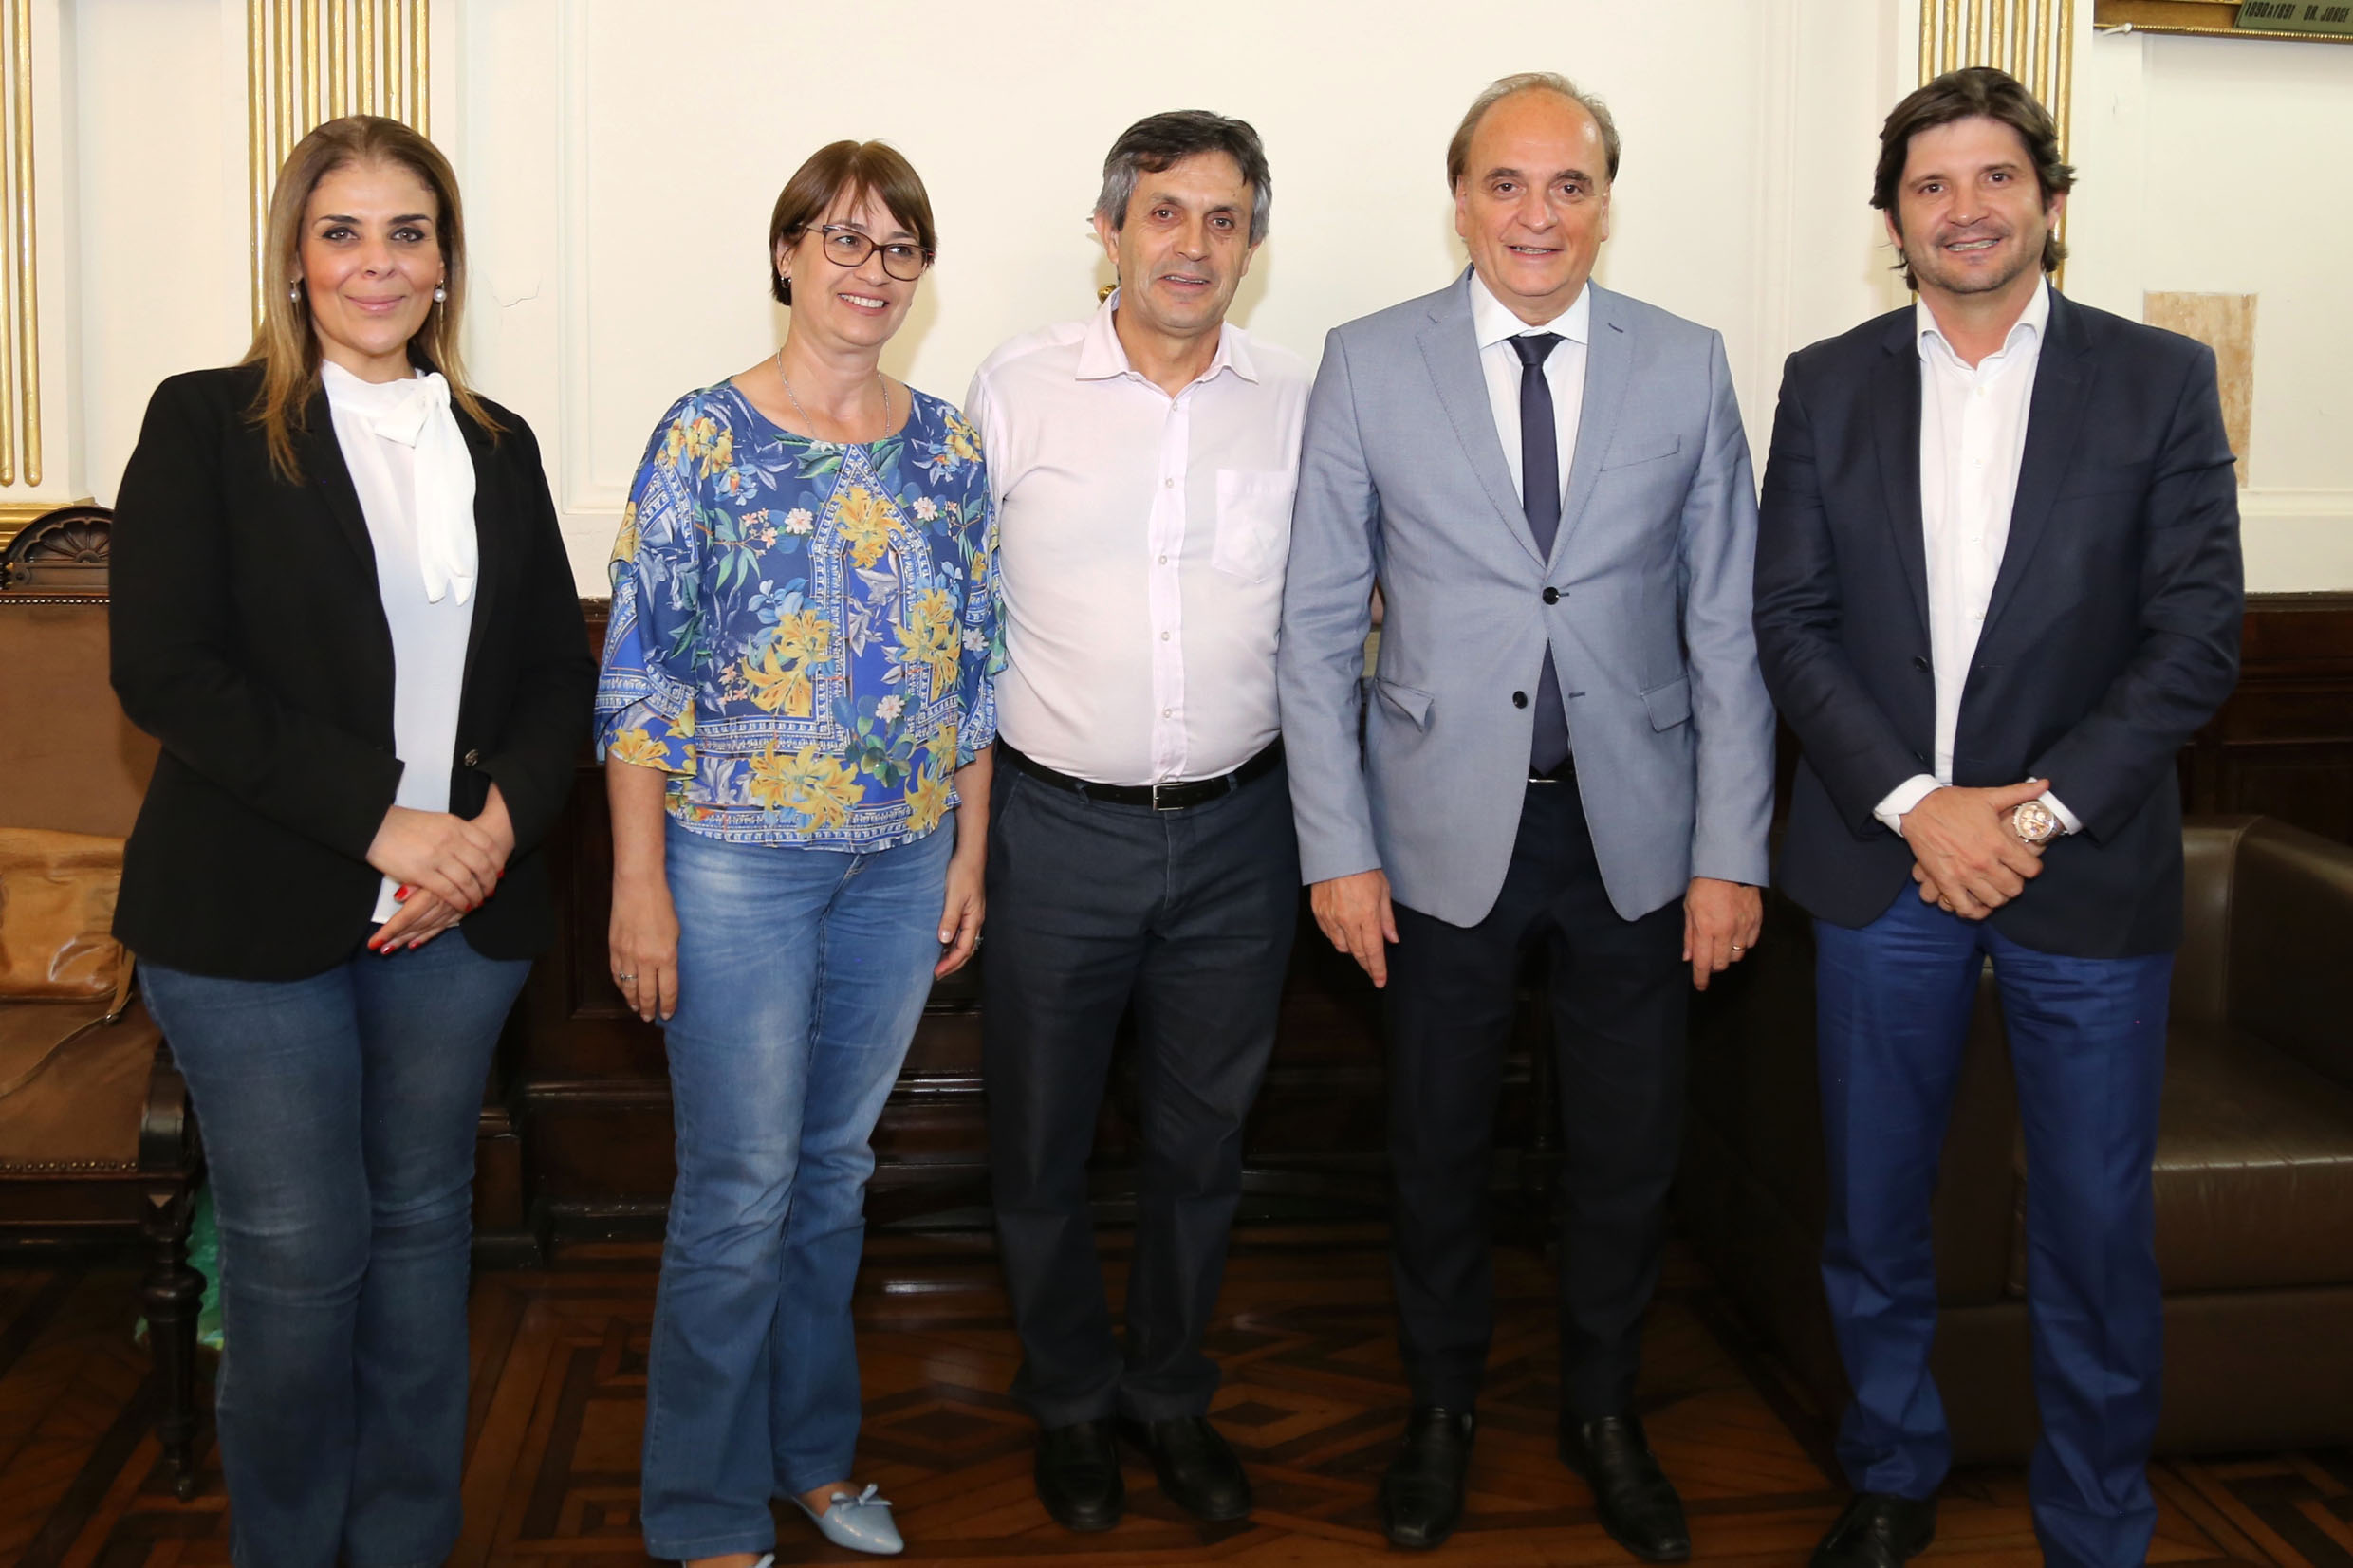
1402, 481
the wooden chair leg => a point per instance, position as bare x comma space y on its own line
173, 1294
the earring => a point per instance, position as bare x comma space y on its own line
294, 293
440, 293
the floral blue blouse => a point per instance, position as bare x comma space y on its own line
804, 633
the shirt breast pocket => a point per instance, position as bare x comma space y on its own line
1254, 523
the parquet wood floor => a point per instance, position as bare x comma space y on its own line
1313, 1399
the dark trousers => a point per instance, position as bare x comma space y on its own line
1620, 998
1191, 914
2087, 1046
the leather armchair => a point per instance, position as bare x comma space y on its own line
2255, 1165
97, 1138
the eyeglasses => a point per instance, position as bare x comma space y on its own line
847, 246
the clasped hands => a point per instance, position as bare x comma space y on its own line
446, 865
1722, 922
1966, 858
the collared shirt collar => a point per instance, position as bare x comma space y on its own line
1104, 358
2033, 322
1493, 320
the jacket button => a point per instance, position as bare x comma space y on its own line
474, 759
1519, 699
1552, 596
1919, 664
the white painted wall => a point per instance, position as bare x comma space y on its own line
619, 164
2211, 165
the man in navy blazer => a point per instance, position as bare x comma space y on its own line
1998, 588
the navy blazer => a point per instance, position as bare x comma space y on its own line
2112, 634
249, 638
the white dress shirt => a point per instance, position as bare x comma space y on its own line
1565, 371
1972, 437
1142, 546
428, 631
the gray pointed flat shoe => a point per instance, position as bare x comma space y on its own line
862, 1524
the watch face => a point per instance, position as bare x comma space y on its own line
2035, 821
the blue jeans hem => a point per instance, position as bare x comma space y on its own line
711, 1546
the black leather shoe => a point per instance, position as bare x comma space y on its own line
1878, 1530
1637, 1502
1079, 1476
1421, 1494
1197, 1470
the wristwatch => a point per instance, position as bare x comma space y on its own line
2034, 823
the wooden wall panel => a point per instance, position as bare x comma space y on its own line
2283, 745
591, 1097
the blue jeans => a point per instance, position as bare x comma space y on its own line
339, 1115
801, 975
2087, 1048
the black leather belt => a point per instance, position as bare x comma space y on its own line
1159, 797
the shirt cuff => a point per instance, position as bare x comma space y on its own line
1902, 799
2067, 819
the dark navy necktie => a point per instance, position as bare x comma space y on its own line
1540, 498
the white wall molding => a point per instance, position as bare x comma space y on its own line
2296, 542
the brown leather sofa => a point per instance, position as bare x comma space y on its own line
2255, 1165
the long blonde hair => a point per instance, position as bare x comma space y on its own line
284, 345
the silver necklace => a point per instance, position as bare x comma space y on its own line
878, 381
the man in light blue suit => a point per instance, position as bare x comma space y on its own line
1565, 743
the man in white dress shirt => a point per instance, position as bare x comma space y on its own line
1141, 847
1998, 589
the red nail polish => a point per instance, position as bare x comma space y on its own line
399, 894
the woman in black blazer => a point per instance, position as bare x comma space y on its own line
342, 603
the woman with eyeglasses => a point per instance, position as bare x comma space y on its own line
796, 720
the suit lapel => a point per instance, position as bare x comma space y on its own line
2055, 417
321, 458
1896, 432
1609, 366
489, 543
1449, 347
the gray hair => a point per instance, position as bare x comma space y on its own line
1458, 150
1158, 143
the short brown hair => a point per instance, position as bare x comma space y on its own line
856, 169
285, 344
1458, 150
1970, 93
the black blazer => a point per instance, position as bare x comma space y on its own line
249, 638
2112, 634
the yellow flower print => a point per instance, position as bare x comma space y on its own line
638, 748
721, 452
929, 636
832, 789
866, 525
941, 748
774, 778
626, 542
780, 678
962, 439
808, 782
927, 801
699, 438
674, 442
